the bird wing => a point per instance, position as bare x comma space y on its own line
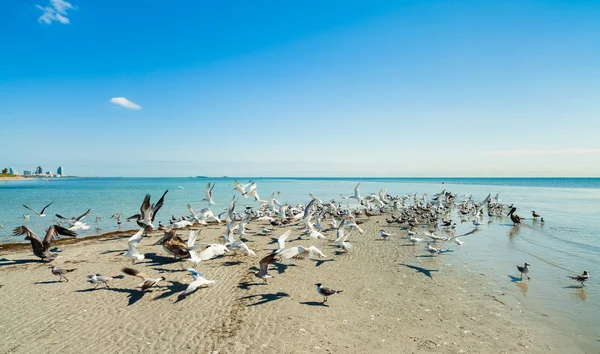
146, 207
46, 208
82, 215
264, 263
192, 238
35, 211
158, 205
52, 232
62, 217
135, 273
207, 191
137, 237
36, 243
357, 189
282, 238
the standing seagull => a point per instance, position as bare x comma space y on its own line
97, 279
326, 292
41, 248
524, 270
41, 213
148, 282
148, 211
385, 235
61, 272
581, 277
208, 191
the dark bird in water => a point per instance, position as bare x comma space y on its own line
516, 219
263, 273
581, 277
535, 215
42, 248
524, 270
41, 213
61, 272
148, 282
326, 292
148, 211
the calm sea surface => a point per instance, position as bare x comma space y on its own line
567, 243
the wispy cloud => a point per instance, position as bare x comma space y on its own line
57, 11
123, 102
569, 151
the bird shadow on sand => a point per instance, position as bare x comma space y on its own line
245, 285
113, 251
231, 263
314, 303
426, 272
514, 279
8, 262
264, 298
166, 270
445, 251
281, 267
319, 262
174, 288
156, 259
134, 294
573, 287
48, 282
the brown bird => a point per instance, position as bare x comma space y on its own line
581, 277
535, 215
263, 273
516, 219
174, 245
41, 248
148, 282
61, 272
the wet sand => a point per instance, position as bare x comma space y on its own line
396, 298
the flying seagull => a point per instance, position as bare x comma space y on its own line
132, 244
263, 273
326, 292
61, 272
148, 211
199, 281
148, 282
41, 248
41, 213
208, 191
74, 219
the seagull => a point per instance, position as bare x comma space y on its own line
411, 233
74, 219
98, 279
148, 211
476, 223
414, 239
132, 244
581, 277
241, 188
432, 250
26, 217
281, 241
326, 292
148, 282
41, 248
301, 252
61, 272
524, 270
205, 252
385, 235
265, 230
263, 273
41, 213
208, 191
239, 245
199, 281
458, 242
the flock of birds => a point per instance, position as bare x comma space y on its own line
413, 213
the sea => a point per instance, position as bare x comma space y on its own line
566, 243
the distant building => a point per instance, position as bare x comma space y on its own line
39, 170
12, 171
26, 173
59, 171
48, 173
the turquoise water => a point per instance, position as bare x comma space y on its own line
567, 243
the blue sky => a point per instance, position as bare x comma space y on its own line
310, 88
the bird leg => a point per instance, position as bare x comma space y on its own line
325, 300
96, 285
521, 276
66, 279
528, 277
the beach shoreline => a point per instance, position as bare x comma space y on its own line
395, 299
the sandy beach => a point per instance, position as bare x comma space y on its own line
395, 299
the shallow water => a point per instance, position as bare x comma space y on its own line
566, 244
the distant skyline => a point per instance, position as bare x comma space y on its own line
357, 88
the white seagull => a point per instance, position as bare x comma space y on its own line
41, 213
199, 281
208, 191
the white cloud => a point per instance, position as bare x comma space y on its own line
569, 151
123, 102
57, 11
